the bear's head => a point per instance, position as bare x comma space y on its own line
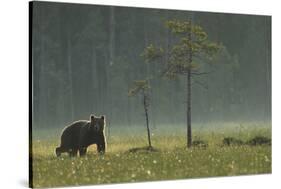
97, 123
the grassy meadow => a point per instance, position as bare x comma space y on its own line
171, 160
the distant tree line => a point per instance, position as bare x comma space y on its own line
85, 58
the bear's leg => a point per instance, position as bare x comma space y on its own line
58, 151
101, 147
82, 151
73, 152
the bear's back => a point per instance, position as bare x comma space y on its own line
74, 128
70, 134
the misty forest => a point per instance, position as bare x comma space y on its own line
182, 94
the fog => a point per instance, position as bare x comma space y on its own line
85, 59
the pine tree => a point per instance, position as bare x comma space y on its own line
192, 43
141, 87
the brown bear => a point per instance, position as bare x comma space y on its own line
81, 134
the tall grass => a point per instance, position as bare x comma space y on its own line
171, 161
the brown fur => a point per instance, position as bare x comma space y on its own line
81, 134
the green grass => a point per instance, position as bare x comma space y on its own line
172, 161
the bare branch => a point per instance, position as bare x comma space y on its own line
201, 73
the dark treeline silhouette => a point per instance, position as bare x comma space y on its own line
86, 57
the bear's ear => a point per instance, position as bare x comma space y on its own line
92, 119
102, 117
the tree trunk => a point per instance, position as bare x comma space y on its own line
101, 70
112, 36
267, 114
94, 79
42, 86
146, 117
189, 136
128, 104
43, 101
70, 75
148, 66
188, 116
111, 44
